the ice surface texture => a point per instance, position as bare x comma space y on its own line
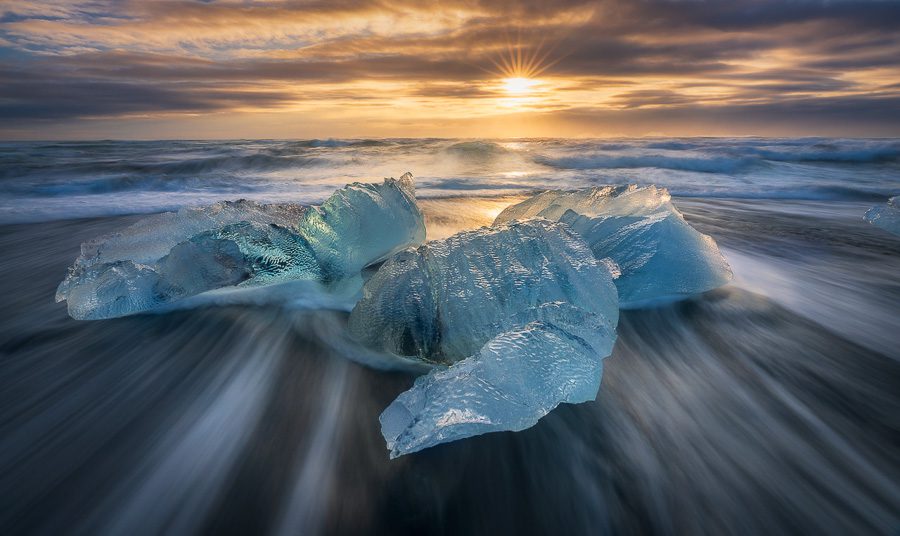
886, 216
523, 313
660, 256
172, 256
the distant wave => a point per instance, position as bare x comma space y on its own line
465, 184
476, 149
672, 145
711, 164
813, 193
789, 150
227, 185
248, 162
329, 143
42, 181
459, 190
830, 153
214, 172
724, 158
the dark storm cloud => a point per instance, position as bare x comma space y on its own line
25, 95
869, 116
71, 59
649, 97
754, 14
143, 67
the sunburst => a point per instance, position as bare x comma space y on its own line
519, 67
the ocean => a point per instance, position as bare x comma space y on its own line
769, 405
50, 181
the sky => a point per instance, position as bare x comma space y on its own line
177, 69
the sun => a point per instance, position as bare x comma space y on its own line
518, 69
518, 85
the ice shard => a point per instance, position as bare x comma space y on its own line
600, 201
660, 256
172, 256
886, 216
518, 318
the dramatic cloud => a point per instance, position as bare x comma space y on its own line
320, 68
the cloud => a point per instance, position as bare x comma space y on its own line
865, 116
650, 97
740, 59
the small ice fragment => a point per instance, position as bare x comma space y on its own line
886, 216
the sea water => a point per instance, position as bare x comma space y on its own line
768, 405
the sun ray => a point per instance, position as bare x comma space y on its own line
519, 60
518, 66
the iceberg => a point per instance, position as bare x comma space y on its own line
886, 216
659, 255
516, 318
172, 256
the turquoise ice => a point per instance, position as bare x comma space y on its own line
517, 318
659, 255
172, 256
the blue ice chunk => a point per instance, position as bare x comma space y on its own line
362, 224
172, 256
522, 313
660, 256
516, 378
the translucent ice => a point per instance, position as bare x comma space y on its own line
523, 313
660, 256
171, 256
361, 224
886, 216
152, 237
600, 201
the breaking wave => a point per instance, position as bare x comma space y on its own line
476, 149
48, 181
833, 153
711, 164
